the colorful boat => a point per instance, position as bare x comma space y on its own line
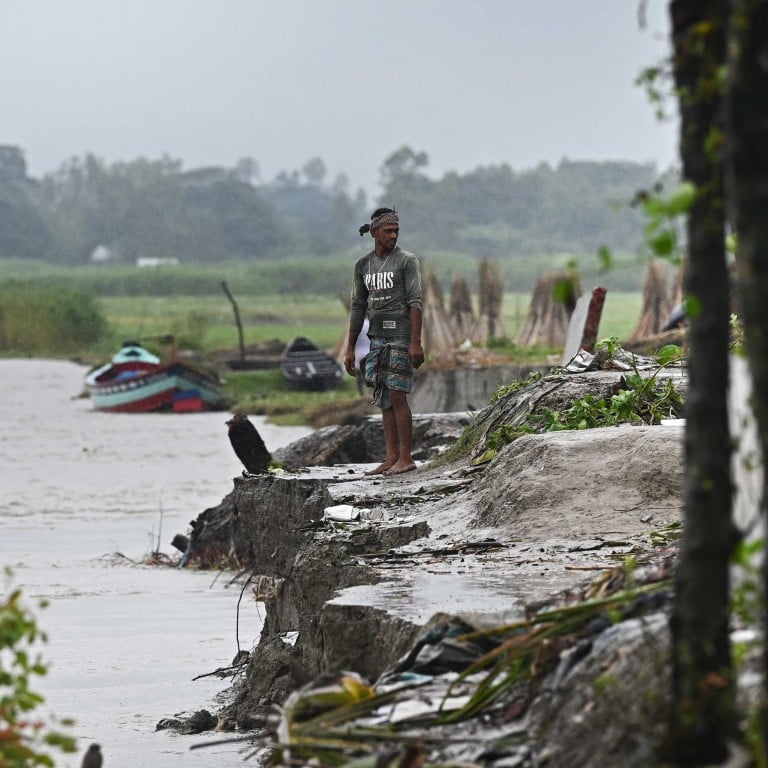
136, 381
306, 366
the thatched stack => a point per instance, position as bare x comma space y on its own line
461, 313
656, 302
437, 331
552, 304
490, 323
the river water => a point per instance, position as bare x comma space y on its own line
84, 497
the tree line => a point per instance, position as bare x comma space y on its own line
89, 209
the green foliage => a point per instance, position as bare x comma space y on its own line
23, 737
692, 306
572, 207
668, 354
664, 217
747, 599
155, 208
37, 318
515, 386
610, 344
657, 81
641, 400
605, 258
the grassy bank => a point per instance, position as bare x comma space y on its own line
207, 322
267, 393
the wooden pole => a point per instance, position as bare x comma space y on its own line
238, 323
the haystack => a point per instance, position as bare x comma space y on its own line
656, 301
552, 304
490, 323
437, 331
461, 313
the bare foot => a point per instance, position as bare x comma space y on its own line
383, 468
400, 467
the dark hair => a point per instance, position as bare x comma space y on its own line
367, 227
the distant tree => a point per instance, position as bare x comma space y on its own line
315, 172
247, 170
408, 189
153, 208
402, 164
24, 233
322, 220
229, 219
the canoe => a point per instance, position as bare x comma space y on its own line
307, 367
136, 381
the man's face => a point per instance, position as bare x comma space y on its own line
386, 235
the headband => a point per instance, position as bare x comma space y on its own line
388, 217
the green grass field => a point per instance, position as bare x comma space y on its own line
207, 323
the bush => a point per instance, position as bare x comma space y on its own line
36, 318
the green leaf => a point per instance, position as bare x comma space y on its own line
563, 291
669, 353
654, 207
692, 306
682, 200
664, 243
605, 257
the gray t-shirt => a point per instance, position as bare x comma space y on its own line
386, 290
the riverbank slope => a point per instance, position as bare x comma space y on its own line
553, 520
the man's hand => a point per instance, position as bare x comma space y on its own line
349, 362
416, 351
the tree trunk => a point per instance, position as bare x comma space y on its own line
702, 685
747, 170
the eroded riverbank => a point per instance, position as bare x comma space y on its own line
484, 545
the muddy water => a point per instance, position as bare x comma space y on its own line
84, 496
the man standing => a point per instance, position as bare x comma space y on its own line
387, 288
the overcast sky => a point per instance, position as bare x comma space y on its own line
207, 82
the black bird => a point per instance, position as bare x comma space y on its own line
248, 445
92, 758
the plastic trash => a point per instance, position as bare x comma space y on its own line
341, 513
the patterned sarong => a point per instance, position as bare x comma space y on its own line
387, 366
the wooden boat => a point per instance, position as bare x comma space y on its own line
136, 381
306, 366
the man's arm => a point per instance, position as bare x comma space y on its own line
415, 350
349, 356
358, 306
413, 298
